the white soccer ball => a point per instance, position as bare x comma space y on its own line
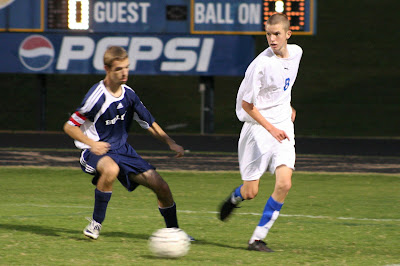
169, 243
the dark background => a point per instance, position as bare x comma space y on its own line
348, 82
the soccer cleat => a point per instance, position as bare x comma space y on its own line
191, 238
259, 245
93, 229
227, 207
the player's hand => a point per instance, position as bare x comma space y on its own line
100, 147
178, 149
279, 134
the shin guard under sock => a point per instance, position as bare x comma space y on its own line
169, 214
101, 200
270, 214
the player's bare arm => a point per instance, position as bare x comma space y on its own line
97, 147
157, 132
256, 115
293, 114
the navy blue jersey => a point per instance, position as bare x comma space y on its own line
103, 117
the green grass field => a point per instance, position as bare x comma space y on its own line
327, 219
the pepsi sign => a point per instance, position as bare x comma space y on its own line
36, 52
149, 54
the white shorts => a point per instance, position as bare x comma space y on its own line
259, 151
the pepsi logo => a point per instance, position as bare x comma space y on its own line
36, 52
4, 3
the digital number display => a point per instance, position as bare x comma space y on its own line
295, 10
68, 14
78, 14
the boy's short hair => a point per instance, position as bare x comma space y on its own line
278, 18
114, 53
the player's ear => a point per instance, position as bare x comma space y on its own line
106, 68
288, 34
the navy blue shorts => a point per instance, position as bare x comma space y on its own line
127, 159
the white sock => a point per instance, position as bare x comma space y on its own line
261, 231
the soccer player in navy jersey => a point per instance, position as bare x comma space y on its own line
100, 128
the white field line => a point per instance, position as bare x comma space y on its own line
212, 212
303, 216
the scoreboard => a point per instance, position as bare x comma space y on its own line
229, 17
249, 17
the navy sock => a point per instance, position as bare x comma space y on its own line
169, 214
101, 200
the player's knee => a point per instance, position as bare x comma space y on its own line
108, 169
112, 171
157, 183
108, 166
163, 187
284, 186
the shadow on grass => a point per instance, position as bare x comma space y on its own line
60, 232
195, 243
37, 229
76, 234
208, 243
125, 235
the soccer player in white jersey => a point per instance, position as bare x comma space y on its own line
100, 128
266, 140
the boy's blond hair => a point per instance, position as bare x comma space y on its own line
114, 53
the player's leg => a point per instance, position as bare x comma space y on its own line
107, 170
272, 208
152, 180
282, 164
283, 183
253, 162
247, 191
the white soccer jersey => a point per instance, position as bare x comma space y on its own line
103, 117
268, 85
